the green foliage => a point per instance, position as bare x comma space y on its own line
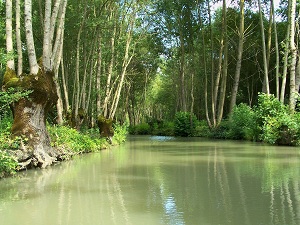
268, 106
141, 129
10, 96
202, 129
8, 165
121, 132
276, 125
241, 122
71, 140
283, 129
184, 124
221, 131
164, 129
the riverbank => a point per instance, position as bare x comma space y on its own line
68, 141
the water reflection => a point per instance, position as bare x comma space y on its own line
156, 180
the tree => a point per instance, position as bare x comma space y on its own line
266, 87
30, 114
293, 50
239, 57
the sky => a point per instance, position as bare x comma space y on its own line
219, 4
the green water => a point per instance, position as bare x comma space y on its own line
156, 180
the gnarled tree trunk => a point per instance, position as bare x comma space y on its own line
30, 113
30, 117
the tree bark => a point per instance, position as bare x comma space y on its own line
266, 88
30, 118
76, 91
30, 114
239, 58
18, 38
285, 62
277, 52
110, 70
34, 67
98, 75
292, 100
9, 35
225, 67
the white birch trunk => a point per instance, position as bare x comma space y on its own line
9, 35
266, 71
54, 15
18, 38
126, 61
277, 53
239, 58
56, 54
98, 77
110, 71
34, 67
46, 43
292, 100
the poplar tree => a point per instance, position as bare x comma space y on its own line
30, 113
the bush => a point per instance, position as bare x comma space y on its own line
282, 130
268, 106
140, 129
275, 124
184, 124
202, 129
71, 140
221, 132
241, 123
121, 132
8, 165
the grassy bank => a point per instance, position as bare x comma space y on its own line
269, 121
65, 139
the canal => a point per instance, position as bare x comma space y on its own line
161, 180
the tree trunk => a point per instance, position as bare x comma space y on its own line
277, 52
266, 88
285, 62
110, 70
46, 43
205, 67
9, 35
34, 67
98, 75
183, 106
292, 100
225, 67
18, 38
76, 91
239, 59
64, 84
30, 118
30, 114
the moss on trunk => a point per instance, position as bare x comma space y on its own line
105, 127
30, 117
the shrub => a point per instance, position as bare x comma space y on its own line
241, 122
71, 140
276, 125
8, 165
221, 132
121, 132
268, 106
184, 124
282, 130
202, 129
142, 129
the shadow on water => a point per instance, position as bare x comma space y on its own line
161, 180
